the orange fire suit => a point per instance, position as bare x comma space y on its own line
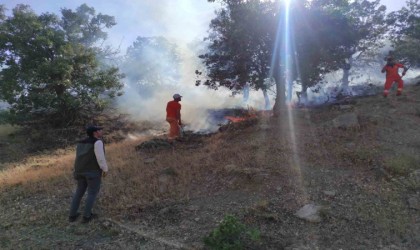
173, 117
392, 76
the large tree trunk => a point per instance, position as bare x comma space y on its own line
303, 99
266, 100
279, 104
289, 83
346, 74
245, 94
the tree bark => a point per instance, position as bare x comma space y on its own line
279, 104
266, 100
304, 94
346, 74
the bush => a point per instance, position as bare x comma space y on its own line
402, 165
230, 235
5, 117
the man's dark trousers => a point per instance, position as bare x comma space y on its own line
91, 183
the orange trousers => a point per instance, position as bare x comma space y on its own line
174, 130
388, 84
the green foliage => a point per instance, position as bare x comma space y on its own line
401, 165
405, 32
231, 234
247, 43
366, 32
240, 45
323, 49
50, 73
5, 117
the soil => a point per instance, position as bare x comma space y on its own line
365, 177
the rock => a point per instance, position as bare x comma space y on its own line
164, 211
298, 247
349, 120
309, 212
149, 160
329, 193
192, 208
381, 173
414, 203
260, 177
106, 224
264, 126
169, 172
345, 107
391, 247
231, 168
163, 181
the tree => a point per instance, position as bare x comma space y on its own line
49, 67
252, 41
368, 24
323, 38
405, 33
150, 62
240, 46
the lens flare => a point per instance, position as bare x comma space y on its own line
284, 50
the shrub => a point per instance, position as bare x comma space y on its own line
230, 234
401, 165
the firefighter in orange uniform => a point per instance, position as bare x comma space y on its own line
173, 117
392, 75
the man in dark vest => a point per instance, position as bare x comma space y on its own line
89, 167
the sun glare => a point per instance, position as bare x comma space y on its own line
284, 49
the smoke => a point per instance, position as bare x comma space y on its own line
365, 79
195, 103
181, 22
184, 23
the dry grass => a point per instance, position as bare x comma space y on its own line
35, 169
142, 178
275, 170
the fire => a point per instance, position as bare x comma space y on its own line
249, 114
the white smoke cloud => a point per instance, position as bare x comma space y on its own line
181, 22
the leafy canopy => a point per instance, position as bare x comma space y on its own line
248, 43
49, 67
240, 45
405, 33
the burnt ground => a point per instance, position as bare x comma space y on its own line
362, 169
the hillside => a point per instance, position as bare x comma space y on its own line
355, 162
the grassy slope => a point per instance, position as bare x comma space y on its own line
261, 171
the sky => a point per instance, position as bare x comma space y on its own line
183, 21
179, 19
393, 5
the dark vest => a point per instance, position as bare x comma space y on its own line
86, 161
